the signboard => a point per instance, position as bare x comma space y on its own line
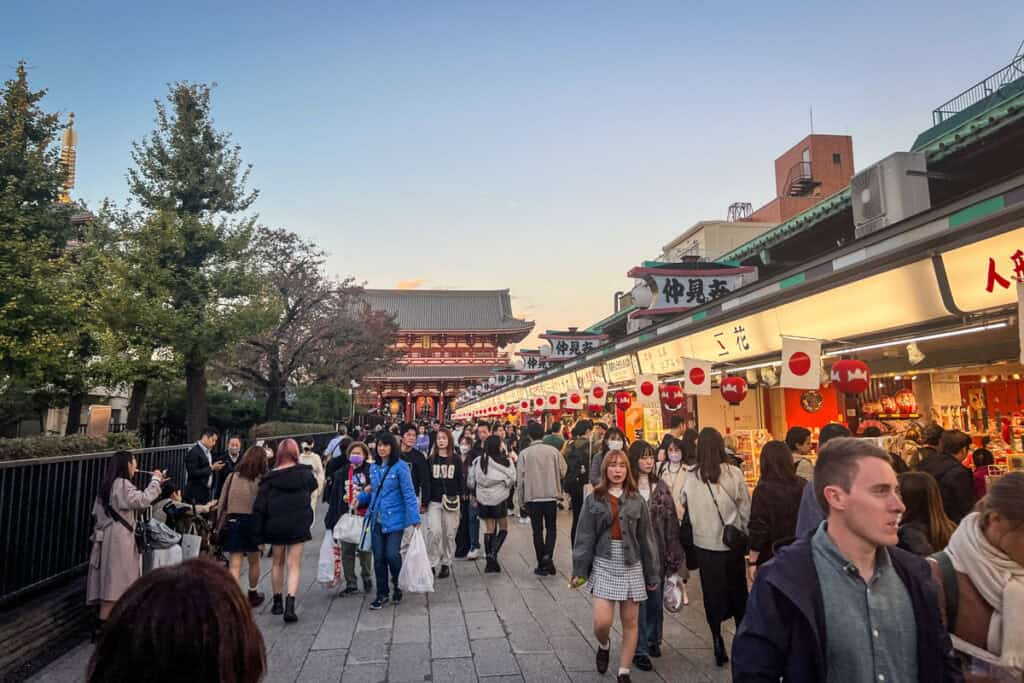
675, 289
981, 275
662, 359
588, 377
571, 344
620, 370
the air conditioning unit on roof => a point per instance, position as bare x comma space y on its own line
892, 190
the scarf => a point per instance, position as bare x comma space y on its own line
1000, 581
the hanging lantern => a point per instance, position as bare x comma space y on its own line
623, 400
672, 397
851, 376
734, 389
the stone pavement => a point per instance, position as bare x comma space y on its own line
494, 628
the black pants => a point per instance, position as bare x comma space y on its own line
576, 500
542, 519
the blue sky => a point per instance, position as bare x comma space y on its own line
545, 147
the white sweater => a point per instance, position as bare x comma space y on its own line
494, 486
733, 500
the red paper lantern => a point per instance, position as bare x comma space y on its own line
734, 389
623, 400
672, 397
851, 376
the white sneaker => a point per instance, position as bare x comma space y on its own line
473, 554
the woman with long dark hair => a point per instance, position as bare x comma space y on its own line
492, 477
393, 508
238, 496
615, 553
114, 563
715, 495
614, 440
665, 532
445, 504
775, 504
282, 517
924, 526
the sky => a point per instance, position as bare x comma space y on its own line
542, 147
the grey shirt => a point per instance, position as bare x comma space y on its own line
871, 629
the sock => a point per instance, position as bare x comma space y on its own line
623, 670
605, 646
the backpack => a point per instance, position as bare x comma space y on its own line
577, 471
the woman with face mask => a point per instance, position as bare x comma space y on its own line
673, 472
352, 479
467, 538
614, 440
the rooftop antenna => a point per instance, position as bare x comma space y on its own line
812, 119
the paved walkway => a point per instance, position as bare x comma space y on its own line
494, 628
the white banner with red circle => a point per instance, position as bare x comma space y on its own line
647, 390
801, 363
697, 377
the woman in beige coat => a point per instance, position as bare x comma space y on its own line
115, 563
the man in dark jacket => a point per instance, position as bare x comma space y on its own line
418, 462
200, 468
956, 482
230, 461
844, 604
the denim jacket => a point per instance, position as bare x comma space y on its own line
594, 538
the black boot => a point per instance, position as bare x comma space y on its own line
721, 659
289, 610
491, 566
278, 606
499, 540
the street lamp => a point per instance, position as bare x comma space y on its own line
352, 400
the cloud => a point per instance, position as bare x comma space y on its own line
411, 284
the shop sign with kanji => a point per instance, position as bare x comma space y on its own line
571, 344
533, 362
676, 288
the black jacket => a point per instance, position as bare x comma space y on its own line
420, 473
282, 514
446, 477
197, 475
773, 513
222, 476
956, 483
336, 504
782, 635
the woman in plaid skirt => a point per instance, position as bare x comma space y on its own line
616, 556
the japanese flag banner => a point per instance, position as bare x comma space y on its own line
574, 400
697, 377
597, 394
801, 363
647, 390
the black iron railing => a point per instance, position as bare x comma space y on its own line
979, 91
46, 506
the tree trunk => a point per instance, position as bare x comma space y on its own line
275, 389
137, 403
196, 412
74, 413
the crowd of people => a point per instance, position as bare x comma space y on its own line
855, 565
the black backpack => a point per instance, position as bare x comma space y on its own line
577, 471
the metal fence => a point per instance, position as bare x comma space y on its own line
46, 507
979, 91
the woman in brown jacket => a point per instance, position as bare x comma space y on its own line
235, 522
775, 504
114, 563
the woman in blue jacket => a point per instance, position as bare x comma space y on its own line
393, 508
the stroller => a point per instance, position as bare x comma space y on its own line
186, 518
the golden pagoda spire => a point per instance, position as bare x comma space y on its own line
68, 156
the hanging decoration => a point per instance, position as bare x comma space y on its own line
672, 397
623, 400
734, 390
851, 376
647, 390
574, 400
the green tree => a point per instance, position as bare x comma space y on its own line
192, 247
42, 349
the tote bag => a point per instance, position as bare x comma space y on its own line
349, 528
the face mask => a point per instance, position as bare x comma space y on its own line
675, 456
615, 445
465, 448
355, 459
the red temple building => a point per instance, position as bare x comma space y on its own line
449, 339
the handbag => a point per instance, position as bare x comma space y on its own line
686, 530
450, 503
140, 531
733, 537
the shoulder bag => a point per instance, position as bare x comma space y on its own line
733, 537
366, 538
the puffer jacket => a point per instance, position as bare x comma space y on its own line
281, 513
393, 503
493, 486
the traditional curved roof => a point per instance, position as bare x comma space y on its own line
450, 310
436, 372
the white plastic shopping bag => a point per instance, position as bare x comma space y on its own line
349, 528
416, 576
160, 557
190, 546
673, 600
325, 565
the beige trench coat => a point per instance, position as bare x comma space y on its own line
114, 564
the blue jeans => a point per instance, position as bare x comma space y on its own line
474, 527
387, 556
652, 618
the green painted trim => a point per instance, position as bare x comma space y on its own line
797, 279
647, 337
697, 317
976, 211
